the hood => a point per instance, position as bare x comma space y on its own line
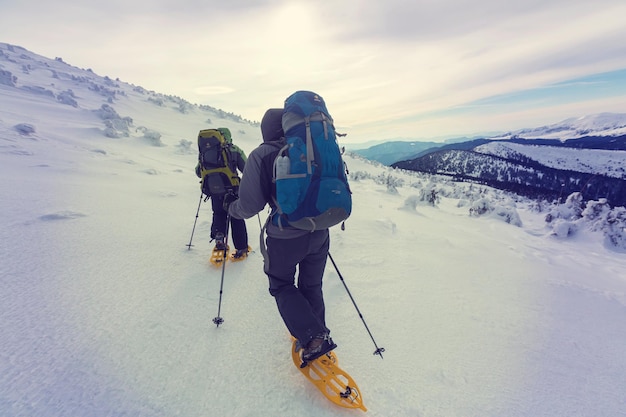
226, 133
271, 125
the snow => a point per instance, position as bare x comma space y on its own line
595, 161
601, 124
105, 312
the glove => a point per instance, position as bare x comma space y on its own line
228, 200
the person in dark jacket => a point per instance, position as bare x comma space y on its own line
301, 303
237, 161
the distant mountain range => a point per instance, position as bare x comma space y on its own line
597, 131
586, 154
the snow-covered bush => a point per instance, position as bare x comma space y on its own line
185, 107
25, 129
153, 137
430, 195
596, 212
413, 201
508, 215
184, 147
111, 132
390, 181
486, 207
67, 97
115, 126
6, 78
570, 210
480, 207
615, 229
564, 228
108, 81
537, 206
103, 91
563, 219
597, 216
359, 175
106, 112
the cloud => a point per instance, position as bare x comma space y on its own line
375, 63
210, 90
436, 20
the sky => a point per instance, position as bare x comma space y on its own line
387, 69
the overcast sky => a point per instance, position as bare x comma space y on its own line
387, 69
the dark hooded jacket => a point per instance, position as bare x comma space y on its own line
256, 188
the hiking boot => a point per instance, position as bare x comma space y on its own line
318, 346
219, 242
240, 254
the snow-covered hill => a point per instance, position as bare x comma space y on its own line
602, 124
484, 309
116, 108
593, 161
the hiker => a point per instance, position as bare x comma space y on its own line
301, 306
229, 159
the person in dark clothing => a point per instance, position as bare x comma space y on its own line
237, 161
301, 303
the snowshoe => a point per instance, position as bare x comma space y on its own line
332, 381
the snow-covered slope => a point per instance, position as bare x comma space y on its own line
602, 124
594, 161
104, 311
99, 105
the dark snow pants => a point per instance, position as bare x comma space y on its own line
300, 303
237, 226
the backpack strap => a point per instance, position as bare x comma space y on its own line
263, 247
291, 119
230, 163
309, 145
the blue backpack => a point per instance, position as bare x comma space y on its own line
312, 191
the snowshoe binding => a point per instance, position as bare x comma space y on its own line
320, 345
218, 256
240, 254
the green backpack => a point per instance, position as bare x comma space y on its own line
218, 177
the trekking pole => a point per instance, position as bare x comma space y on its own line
219, 320
189, 245
378, 351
